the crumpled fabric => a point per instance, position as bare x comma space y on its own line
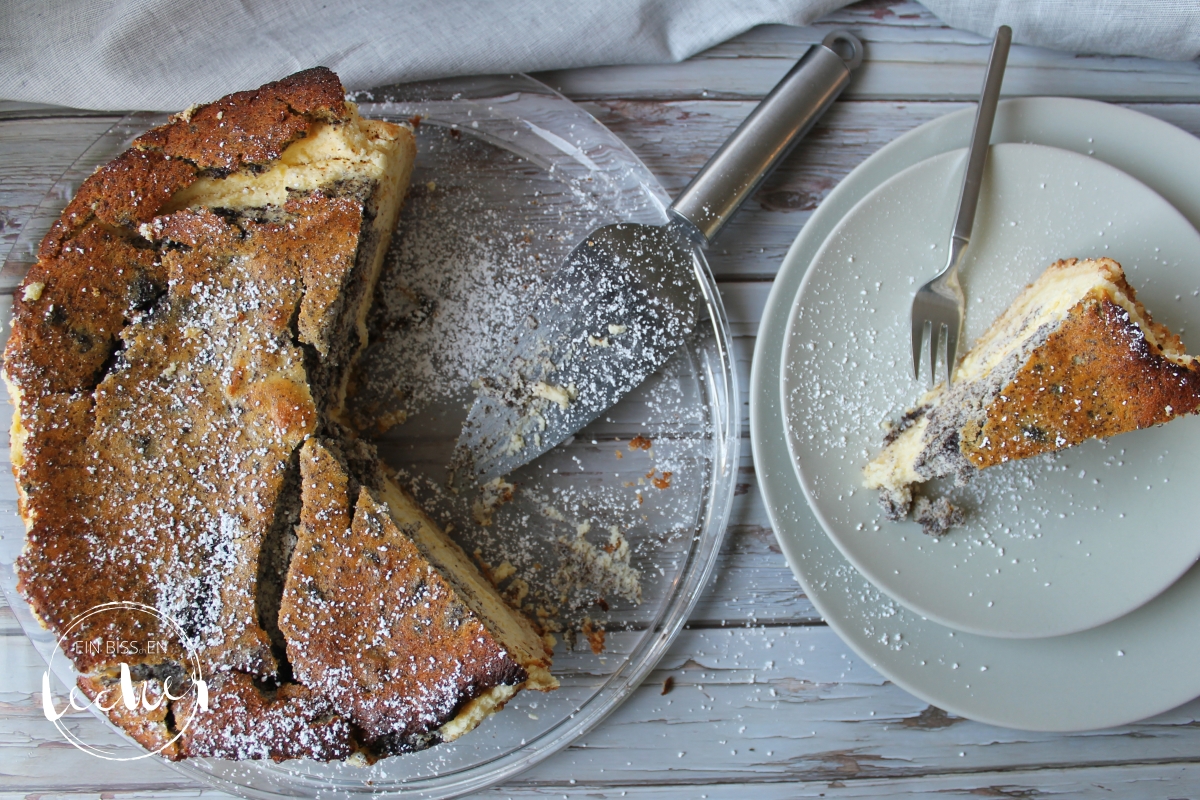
166, 54
1166, 29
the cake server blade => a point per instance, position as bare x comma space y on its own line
629, 294
613, 314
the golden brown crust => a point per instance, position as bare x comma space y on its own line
125, 192
245, 722
1096, 376
1074, 357
113, 438
93, 269
326, 265
149, 728
242, 130
202, 412
398, 661
250, 129
64, 334
167, 368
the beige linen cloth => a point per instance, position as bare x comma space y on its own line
165, 54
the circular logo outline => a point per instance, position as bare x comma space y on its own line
196, 675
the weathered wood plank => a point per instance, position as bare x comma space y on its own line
1111, 783
780, 704
1125, 782
894, 71
674, 139
34, 153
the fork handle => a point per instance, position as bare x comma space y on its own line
766, 136
985, 114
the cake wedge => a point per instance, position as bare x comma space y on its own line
1075, 357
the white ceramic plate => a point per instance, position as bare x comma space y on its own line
1129, 669
1051, 545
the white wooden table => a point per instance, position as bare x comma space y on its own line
778, 706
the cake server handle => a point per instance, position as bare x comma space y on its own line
766, 136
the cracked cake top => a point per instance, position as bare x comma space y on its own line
166, 363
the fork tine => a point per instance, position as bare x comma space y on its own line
951, 351
918, 336
935, 338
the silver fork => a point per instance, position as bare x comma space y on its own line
938, 305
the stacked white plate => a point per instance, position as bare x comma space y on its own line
1066, 602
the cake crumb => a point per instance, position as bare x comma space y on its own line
603, 570
484, 566
936, 517
390, 419
562, 395
594, 633
492, 495
516, 592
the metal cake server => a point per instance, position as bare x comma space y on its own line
629, 294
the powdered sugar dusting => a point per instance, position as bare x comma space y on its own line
1035, 531
657, 521
468, 257
465, 266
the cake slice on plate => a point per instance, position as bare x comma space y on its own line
1075, 357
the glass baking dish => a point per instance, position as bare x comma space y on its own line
510, 176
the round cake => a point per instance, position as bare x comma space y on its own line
178, 367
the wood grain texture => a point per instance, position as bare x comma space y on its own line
766, 700
762, 705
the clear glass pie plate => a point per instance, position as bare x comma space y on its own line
510, 176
